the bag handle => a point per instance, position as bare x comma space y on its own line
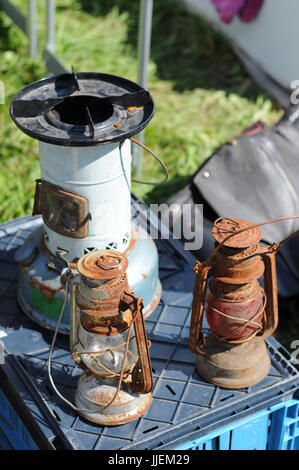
157, 158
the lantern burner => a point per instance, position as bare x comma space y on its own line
224, 227
81, 110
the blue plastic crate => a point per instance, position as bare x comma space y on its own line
185, 408
276, 428
26, 421
284, 432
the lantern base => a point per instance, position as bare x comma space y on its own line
94, 394
233, 365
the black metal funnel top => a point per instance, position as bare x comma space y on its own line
82, 109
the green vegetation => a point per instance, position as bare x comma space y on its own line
203, 95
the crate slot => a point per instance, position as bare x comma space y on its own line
56, 415
170, 389
150, 429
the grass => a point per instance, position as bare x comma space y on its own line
203, 95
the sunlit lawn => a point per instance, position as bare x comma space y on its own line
202, 93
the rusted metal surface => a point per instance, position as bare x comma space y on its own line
153, 304
43, 285
270, 282
142, 379
104, 280
103, 300
227, 319
102, 265
106, 326
201, 284
239, 313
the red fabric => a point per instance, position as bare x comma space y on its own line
246, 9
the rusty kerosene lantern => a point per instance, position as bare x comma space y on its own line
240, 313
108, 341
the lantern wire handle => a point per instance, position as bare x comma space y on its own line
247, 323
75, 408
207, 264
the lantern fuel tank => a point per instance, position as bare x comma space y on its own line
108, 341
